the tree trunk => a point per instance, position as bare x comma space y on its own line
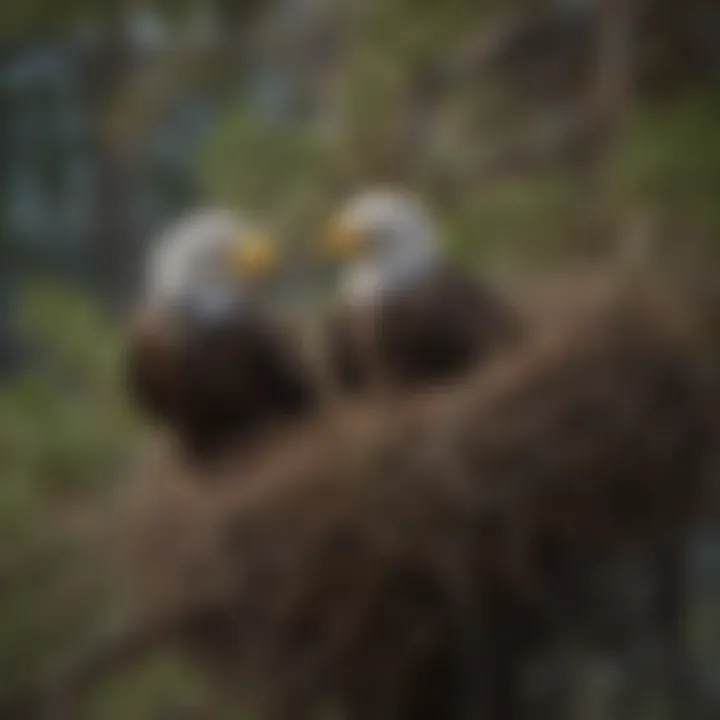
115, 247
615, 59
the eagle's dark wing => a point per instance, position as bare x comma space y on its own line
216, 382
429, 333
444, 327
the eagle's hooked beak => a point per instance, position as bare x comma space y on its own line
254, 257
342, 241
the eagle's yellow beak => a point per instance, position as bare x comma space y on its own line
255, 256
342, 241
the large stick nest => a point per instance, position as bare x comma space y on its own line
342, 563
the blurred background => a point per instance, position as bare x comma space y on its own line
541, 131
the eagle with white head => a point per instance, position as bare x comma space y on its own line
404, 313
207, 356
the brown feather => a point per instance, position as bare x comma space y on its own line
217, 385
438, 329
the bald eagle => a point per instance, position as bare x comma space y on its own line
207, 354
405, 317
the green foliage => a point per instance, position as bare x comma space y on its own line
411, 31
670, 158
29, 19
524, 221
65, 425
275, 169
288, 172
64, 432
161, 687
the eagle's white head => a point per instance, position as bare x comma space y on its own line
387, 237
209, 261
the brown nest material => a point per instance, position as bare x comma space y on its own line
398, 559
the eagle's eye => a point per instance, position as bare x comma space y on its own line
253, 256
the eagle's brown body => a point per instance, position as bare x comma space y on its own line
440, 327
217, 384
